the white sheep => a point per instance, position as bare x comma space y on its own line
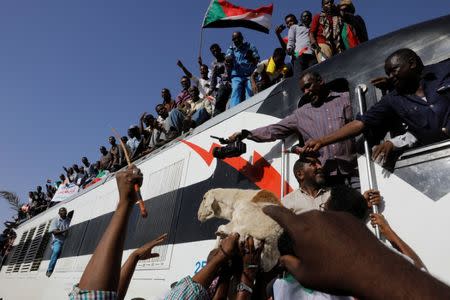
243, 208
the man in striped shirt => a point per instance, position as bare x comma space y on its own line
325, 112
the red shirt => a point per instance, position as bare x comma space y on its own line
317, 29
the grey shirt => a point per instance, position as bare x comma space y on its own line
59, 224
298, 39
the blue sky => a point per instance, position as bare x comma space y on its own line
72, 69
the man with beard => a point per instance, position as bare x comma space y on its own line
312, 192
420, 100
324, 111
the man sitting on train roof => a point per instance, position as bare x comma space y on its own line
243, 57
171, 121
326, 111
420, 100
270, 71
198, 109
184, 94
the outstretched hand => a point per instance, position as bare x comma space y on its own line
332, 249
145, 251
126, 181
312, 145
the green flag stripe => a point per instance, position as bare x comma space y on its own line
215, 12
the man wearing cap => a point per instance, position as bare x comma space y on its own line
347, 11
325, 111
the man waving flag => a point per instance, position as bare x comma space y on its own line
223, 14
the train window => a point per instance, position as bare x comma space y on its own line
427, 169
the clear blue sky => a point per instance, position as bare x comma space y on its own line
69, 70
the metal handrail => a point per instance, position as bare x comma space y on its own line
360, 90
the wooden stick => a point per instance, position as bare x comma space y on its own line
140, 202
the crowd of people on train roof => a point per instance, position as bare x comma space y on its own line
415, 105
233, 76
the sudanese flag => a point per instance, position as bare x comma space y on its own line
349, 37
223, 14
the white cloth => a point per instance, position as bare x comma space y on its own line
289, 288
299, 201
203, 85
404, 140
202, 103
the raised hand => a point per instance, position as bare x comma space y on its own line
145, 251
125, 182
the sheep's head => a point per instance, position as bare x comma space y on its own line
209, 208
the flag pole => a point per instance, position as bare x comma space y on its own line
201, 43
201, 30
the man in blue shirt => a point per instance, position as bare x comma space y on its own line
421, 100
243, 57
58, 228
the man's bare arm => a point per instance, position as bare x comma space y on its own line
185, 71
395, 240
126, 273
102, 273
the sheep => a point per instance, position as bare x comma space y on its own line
243, 208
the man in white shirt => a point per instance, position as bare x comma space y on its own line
312, 192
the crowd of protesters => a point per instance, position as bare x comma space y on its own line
233, 76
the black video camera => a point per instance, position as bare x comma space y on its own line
232, 149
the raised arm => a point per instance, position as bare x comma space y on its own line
227, 248
395, 240
185, 71
144, 252
278, 32
102, 273
141, 123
